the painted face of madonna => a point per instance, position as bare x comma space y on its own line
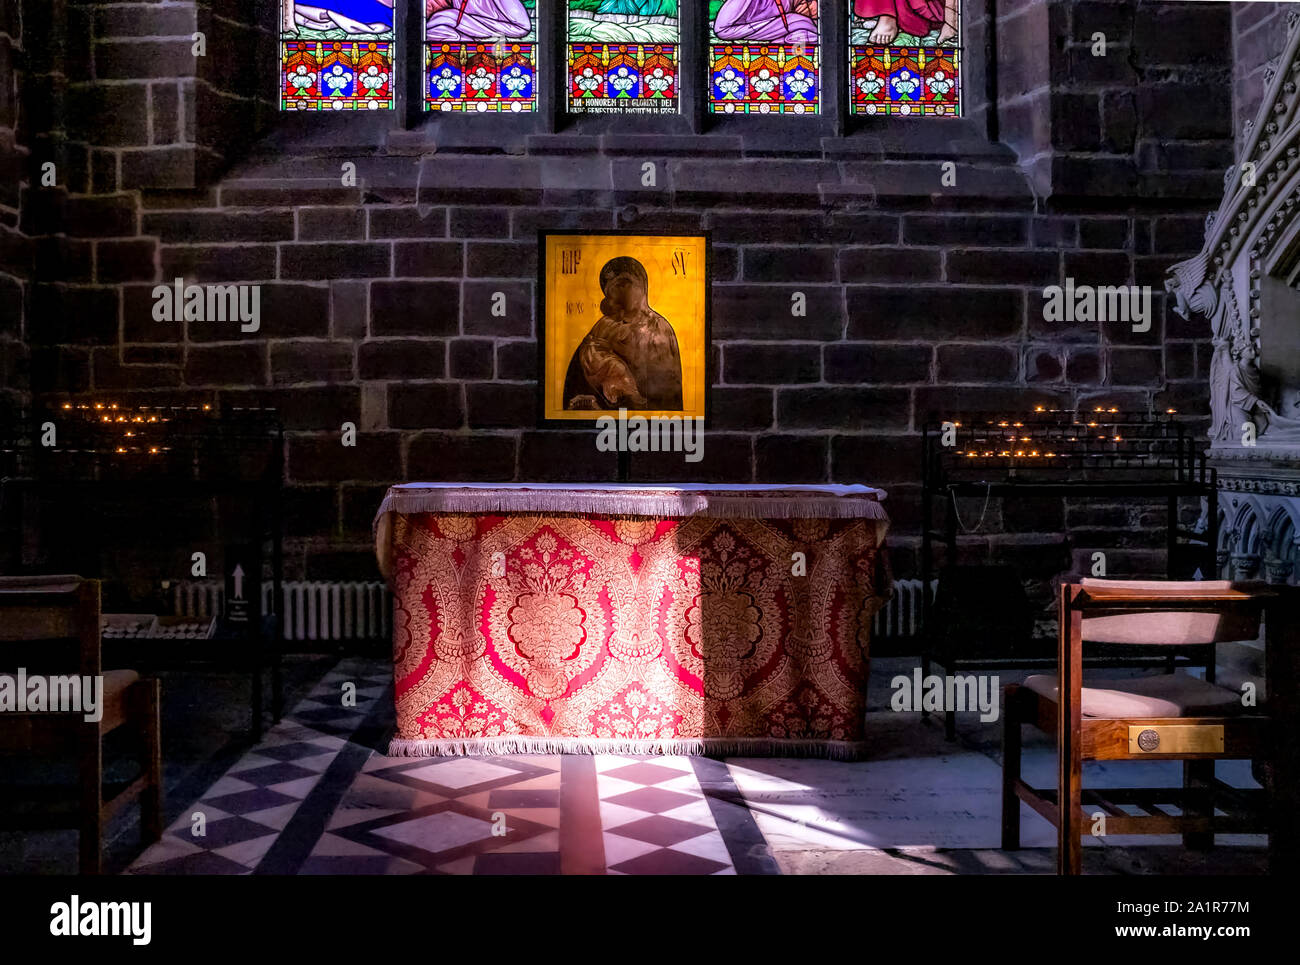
625, 293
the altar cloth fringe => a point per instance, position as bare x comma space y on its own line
698, 747
659, 504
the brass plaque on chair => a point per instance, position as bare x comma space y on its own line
1176, 739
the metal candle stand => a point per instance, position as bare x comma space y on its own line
102, 449
1101, 452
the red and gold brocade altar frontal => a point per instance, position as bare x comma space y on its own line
631, 619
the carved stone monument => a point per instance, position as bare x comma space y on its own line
1246, 283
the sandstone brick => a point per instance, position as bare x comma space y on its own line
376, 456
922, 312
470, 358
890, 264
877, 460
349, 309
335, 260
481, 305
435, 405
853, 409
740, 408
108, 373
477, 457
198, 264
944, 402
526, 222
771, 363
1043, 365
402, 358
312, 361
964, 362
406, 221
564, 457
1101, 232
998, 266
486, 259
803, 264
218, 226
414, 308
331, 224
791, 458
1136, 366
871, 362
61, 314
764, 312
132, 60
311, 510
428, 259
504, 405
479, 222
126, 260
319, 408
726, 458
977, 229
226, 364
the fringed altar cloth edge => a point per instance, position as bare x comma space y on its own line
750, 501
697, 747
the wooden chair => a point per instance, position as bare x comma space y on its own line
39, 617
1167, 717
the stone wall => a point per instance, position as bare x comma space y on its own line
15, 266
1259, 32
922, 296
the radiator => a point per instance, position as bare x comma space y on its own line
363, 611
901, 616
312, 610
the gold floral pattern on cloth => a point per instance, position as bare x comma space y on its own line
586, 629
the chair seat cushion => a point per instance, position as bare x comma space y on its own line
1167, 695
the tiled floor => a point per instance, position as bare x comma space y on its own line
318, 796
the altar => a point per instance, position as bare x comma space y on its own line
585, 618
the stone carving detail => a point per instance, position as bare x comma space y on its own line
1258, 537
1271, 69
1252, 243
1222, 283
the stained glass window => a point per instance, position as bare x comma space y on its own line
763, 57
480, 55
338, 56
623, 56
905, 57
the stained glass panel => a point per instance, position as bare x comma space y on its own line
623, 56
905, 57
480, 55
338, 56
764, 57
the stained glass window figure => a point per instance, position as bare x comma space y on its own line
763, 57
480, 55
905, 57
622, 56
337, 56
